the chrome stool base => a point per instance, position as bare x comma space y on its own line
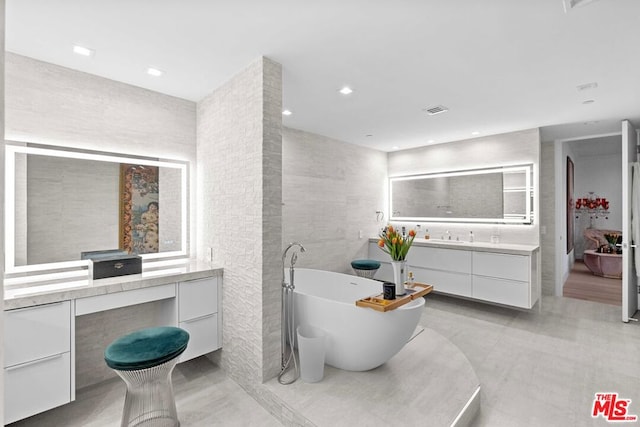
149, 399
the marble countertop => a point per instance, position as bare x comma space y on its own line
505, 248
29, 290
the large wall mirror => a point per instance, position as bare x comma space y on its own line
497, 195
61, 203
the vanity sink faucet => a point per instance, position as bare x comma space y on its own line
447, 235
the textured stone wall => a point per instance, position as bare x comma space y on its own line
331, 192
548, 217
240, 213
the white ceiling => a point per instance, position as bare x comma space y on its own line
499, 65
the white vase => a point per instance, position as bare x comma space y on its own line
399, 276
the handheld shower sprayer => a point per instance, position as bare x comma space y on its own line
294, 258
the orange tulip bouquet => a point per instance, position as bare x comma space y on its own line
394, 244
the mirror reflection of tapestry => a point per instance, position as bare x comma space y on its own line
139, 209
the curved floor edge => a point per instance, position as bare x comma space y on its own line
429, 382
469, 412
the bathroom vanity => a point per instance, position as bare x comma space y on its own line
40, 326
507, 274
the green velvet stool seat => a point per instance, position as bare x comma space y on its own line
365, 267
145, 359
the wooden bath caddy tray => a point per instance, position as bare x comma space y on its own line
380, 304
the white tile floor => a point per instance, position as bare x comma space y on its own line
430, 379
543, 369
205, 397
535, 369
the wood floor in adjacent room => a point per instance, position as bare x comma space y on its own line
582, 284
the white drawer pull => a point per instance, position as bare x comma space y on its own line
206, 316
33, 362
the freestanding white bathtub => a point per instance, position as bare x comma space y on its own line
358, 338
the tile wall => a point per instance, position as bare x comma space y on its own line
331, 191
239, 150
548, 217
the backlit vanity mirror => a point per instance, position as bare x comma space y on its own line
495, 195
60, 203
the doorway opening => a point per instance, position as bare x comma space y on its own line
594, 219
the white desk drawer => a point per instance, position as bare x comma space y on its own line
502, 291
444, 281
203, 336
105, 302
197, 298
453, 260
505, 266
36, 332
36, 386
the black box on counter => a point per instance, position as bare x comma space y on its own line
112, 263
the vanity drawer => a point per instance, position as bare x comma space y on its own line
505, 266
36, 332
440, 259
203, 336
444, 281
197, 298
502, 291
36, 386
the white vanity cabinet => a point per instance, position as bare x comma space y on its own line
198, 314
505, 278
37, 364
448, 270
504, 274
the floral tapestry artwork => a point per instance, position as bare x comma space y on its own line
139, 209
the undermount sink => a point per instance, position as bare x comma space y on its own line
446, 241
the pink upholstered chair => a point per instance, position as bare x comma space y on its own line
594, 238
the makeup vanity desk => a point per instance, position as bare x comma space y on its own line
40, 321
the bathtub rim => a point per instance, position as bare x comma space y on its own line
407, 306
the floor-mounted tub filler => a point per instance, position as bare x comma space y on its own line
289, 363
357, 338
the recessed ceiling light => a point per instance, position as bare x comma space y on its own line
81, 50
154, 72
395, 147
431, 141
588, 101
475, 132
286, 113
346, 90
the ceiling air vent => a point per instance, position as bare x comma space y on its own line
587, 86
432, 111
